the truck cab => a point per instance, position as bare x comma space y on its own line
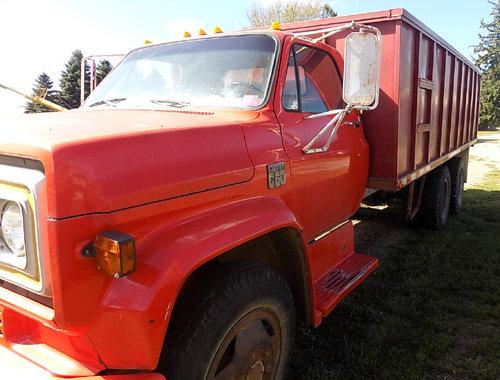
197, 203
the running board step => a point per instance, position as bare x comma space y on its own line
333, 286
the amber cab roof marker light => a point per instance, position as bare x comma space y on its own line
276, 26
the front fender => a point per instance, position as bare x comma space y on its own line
138, 307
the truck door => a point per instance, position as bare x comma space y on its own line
327, 186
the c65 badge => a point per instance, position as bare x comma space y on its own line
276, 175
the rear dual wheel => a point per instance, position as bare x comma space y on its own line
436, 198
443, 194
457, 174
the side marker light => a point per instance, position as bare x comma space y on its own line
115, 253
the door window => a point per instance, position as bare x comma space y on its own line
318, 87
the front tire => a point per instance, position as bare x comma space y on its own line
237, 323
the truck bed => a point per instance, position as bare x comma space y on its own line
429, 98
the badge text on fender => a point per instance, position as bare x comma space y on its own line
276, 176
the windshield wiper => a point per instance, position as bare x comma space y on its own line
170, 103
107, 101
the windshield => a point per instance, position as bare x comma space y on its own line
229, 71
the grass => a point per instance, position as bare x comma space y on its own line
431, 310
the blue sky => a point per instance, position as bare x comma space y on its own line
38, 36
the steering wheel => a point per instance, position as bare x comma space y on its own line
255, 89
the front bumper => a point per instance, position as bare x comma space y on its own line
30, 360
15, 367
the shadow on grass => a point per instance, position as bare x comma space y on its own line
430, 311
485, 139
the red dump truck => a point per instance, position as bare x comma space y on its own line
198, 202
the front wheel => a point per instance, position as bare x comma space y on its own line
238, 324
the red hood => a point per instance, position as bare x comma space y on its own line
106, 160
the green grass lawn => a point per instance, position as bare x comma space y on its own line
431, 310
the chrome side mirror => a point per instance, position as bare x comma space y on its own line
362, 70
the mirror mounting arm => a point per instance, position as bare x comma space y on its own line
333, 124
337, 29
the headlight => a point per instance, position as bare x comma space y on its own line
13, 228
21, 262
12, 242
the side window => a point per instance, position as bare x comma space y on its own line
319, 87
290, 99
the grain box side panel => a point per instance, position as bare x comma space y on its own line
438, 101
406, 117
438, 77
425, 87
447, 92
380, 125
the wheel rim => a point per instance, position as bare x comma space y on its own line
251, 350
445, 206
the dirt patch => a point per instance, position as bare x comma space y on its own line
484, 158
377, 228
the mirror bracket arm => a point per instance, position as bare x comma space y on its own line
333, 124
337, 29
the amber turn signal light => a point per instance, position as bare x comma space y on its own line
115, 253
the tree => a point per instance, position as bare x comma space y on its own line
103, 69
488, 60
43, 88
285, 11
69, 84
327, 11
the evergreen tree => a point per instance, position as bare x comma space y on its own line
43, 88
488, 60
69, 84
260, 15
103, 69
328, 11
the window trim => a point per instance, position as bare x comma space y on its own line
297, 78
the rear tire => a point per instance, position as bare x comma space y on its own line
238, 321
457, 173
437, 194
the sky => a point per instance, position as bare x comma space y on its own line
38, 36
